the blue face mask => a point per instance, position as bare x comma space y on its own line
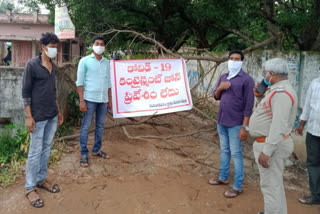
266, 82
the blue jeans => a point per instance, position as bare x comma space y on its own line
39, 152
230, 145
101, 110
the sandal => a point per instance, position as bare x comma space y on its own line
36, 201
53, 188
308, 200
232, 191
101, 154
217, 181
84, 161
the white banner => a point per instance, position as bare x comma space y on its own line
63, 26
149, 86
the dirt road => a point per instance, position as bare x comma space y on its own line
153, 176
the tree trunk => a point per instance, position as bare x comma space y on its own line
269, 11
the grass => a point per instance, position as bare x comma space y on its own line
14, 151
8, 176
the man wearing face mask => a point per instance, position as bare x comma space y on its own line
42, 116
234, 90
271, 124
94, 89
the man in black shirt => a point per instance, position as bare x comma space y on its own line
43, 115
7, 59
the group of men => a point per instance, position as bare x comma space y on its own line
270, 123
43, 113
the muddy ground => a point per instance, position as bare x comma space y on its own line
153, 175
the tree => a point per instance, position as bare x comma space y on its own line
24, 6
6, 5
210, 24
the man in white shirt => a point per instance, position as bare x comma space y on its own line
311, 113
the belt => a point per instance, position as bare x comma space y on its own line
263, 139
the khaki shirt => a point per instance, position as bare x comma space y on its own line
276, 126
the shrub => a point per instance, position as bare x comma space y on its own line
73, 103
14, 147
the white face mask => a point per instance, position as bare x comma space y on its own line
52, 52
234, 68
98, 49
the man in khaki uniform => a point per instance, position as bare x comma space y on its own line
271, 124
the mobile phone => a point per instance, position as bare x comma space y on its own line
262, 87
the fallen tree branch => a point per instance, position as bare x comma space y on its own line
174, 147
201, 112
264, 43
126, 123
145, 137
206, 58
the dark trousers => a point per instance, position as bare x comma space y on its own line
313, 165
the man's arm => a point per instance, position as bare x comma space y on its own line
31, 124
215, 89
299, 129
80, 83
243, 133
248, 106
109, 98
281, 105
60, 115
306, 111
26, 96
83, 106
221, 87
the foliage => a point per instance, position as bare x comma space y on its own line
211, 24
14, 148
7, 176
63, 130
14, 144
6, 5
23, 6
74, 109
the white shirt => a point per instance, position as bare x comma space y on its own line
311, 109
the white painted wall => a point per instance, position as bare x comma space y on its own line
304, 67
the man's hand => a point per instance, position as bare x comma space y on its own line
60, 118
255, 92
243, 134
224, 85
299, 130
264, 160
31, 124
110, 105
83, 106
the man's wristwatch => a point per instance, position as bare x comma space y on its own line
245, 128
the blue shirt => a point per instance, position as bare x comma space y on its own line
237, 101
94, 76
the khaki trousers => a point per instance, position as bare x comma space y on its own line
271, 179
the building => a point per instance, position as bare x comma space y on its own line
24, 32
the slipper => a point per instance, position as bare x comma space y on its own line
84, 162
232, 191
101, 154
308, 200
54, 188
36, 201
217, 181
